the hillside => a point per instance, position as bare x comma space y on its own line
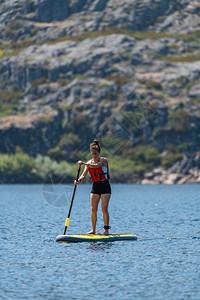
127, 72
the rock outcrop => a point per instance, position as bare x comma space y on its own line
129, 70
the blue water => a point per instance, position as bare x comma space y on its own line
162, 264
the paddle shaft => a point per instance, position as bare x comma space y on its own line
75, 186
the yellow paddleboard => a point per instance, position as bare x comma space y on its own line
76, 238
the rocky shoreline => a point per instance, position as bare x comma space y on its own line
161, 176
126, 71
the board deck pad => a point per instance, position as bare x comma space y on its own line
76, 238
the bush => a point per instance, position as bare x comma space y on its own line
181, 147
15, 168
67, 144
170, 159
115, 145
179, 120
46, 166
117, 164
9, 101
126, 169
143, 154
187, 58
136, 161
119, 80
21, 168
132, 121
45, 119
154, 85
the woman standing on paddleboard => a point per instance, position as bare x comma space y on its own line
98, 169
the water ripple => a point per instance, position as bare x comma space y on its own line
162, 264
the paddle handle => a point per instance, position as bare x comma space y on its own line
75, 186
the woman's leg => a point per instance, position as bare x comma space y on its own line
94, 199
104, 205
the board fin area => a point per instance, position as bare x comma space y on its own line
77, 238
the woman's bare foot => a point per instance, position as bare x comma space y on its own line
106, 232
91, 232
106, 227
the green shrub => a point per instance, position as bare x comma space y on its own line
143, 154
160, 131
79, 122
64, 106
125, 169
46, 166
152, 155
141, 35
116, 163
9, 101
190, 84
170, 159
45, 119
15, 168
187, 58
181, 147
114, 145
194, 101
182, 80
69, 138
56, 153
39, 81
69, 144
179, 120
112, 95
154, 85
132, 121
119, 80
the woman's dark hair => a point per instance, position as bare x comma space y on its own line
95, 145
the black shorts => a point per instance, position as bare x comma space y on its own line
101, 187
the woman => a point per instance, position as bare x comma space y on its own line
98, 169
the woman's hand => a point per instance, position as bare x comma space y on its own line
78, 181
80, 162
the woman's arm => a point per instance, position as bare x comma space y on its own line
83, 175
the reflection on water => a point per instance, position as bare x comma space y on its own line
99, 246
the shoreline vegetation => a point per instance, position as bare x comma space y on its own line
143, 166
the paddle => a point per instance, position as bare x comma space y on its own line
75, 186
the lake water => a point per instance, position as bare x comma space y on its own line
162, 264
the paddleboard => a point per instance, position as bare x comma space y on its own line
77, 238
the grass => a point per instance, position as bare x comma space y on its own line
119, 80
190, 84
16, 47
185, 58
9, 101
45, 119
5, 48
39, 81
141, 35
12, 48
